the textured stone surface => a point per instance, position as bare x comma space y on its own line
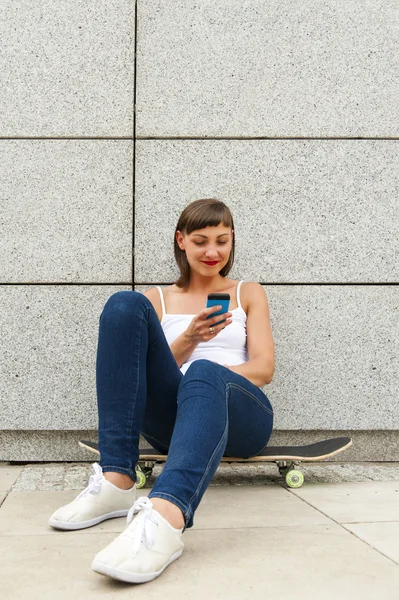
54, 445
337, 350
258, 68
66, 211
66, 68
304, 211
337, 357
47, 356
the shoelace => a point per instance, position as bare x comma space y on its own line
144, 529
94, 482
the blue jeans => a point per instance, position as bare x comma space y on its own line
196, 419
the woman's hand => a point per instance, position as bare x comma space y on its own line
199, 328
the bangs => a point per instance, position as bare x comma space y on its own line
208, 215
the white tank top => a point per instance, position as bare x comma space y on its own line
227, 347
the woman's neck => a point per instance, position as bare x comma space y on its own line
206, 285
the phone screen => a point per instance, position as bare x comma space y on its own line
218, 299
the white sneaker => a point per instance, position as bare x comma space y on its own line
101, 500
144, 549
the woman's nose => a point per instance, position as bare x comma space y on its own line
212, 254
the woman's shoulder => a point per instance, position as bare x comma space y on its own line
251, 293
168, 288
151, 292
153, 296
251, 286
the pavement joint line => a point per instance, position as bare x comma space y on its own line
369, 522
5, 497
370, 545
18, 477
198, 530
347, 530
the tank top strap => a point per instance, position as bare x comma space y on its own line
238, 294
162, 301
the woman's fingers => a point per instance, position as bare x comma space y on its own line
204, 314
210, 310
217, 329
219, 318
199, 327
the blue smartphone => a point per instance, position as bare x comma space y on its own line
218, 299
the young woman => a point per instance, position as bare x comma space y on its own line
190, 386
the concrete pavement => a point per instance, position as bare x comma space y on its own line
336, 538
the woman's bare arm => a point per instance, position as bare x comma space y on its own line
182, 348
259, 369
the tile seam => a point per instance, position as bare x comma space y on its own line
343, 527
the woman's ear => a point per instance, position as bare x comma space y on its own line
180, 240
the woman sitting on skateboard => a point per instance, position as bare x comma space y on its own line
190, 386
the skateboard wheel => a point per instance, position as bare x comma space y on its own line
294, 478
140, 478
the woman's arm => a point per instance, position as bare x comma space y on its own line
182, 348
259, 369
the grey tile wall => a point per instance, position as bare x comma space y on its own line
337, 350
277, 68
66, 210
66, 68
48, 355
304, 210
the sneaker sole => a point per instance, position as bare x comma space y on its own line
68, 526
128, 576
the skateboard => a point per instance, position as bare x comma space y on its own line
287, 458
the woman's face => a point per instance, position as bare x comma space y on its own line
207, 249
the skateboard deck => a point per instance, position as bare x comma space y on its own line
286, 457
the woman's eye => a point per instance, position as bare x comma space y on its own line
199, 243
202, 243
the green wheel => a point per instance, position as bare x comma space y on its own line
294, 478
140, 478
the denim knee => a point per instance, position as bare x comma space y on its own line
200, 367
124, 302
203, 371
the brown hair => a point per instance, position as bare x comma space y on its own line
207, 212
